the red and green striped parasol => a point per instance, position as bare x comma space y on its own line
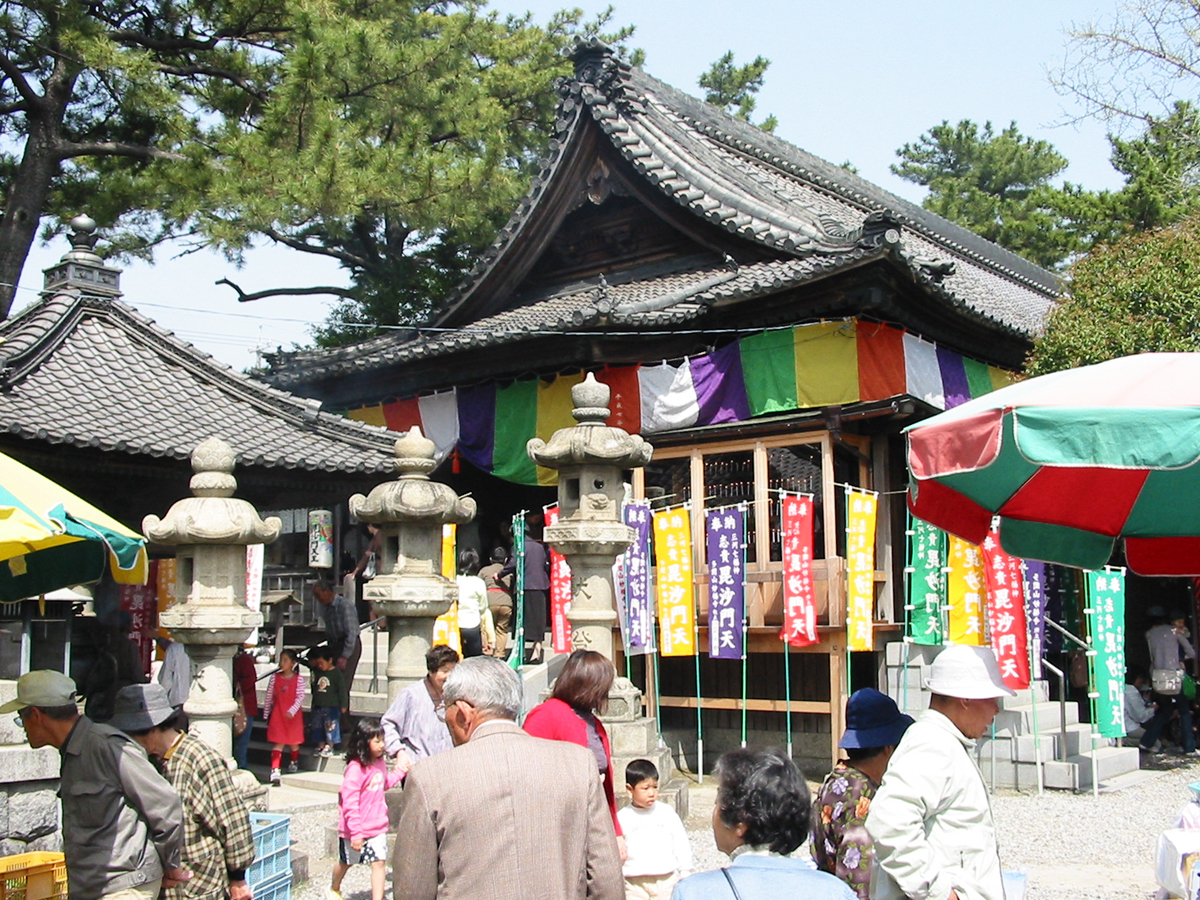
1071, 462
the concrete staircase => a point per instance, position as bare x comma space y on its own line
1029, 726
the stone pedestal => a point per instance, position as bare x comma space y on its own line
211, 531
409, 589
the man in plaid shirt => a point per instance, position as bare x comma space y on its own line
218, 846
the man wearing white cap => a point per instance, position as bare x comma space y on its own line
122, 823
931, 822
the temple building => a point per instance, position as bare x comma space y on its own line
767, 320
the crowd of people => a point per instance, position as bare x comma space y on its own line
494, 809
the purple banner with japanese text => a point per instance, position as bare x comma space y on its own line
725, 535
1035, 611
635, 566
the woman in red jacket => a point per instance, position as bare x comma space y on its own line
581, 691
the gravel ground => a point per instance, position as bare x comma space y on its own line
1071, 846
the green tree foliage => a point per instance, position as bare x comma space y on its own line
999, 186
732, 88
391, 135
1162, 170
1137, 295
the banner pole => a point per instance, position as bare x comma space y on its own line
787, 688
1089, 601
1033, 692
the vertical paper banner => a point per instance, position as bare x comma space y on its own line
673, 577
1006, 612
449, 551
926, 582
725, 533
964, 594
636, 568
141, 602
255, 553
516, 657
1054, 606
860, 569
1106, 590
320, 539
1035, 611
164, 582
560, 591
799, 600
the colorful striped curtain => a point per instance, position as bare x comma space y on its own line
776, 371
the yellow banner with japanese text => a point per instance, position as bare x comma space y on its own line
965, 592
861, 507
449, 562
673, 582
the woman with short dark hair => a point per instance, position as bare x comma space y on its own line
761, 815
581, 691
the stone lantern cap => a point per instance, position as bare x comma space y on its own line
412, 497
591, 441
213, 515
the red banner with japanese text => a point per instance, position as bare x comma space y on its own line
861, 507
560, 592
1006, 612
673, 582
799, 601
141, 602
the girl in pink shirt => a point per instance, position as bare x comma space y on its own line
362, 808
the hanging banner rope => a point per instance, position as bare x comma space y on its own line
861, 507
799, 598
725, 531
560, 591
1035, 611
964, 594
926, 582
1006, 612
676, 592
636, 567
1106, 590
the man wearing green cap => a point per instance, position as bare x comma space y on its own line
122, 823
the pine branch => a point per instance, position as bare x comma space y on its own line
246, 297
71, 149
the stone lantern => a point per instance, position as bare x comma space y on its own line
591, 459
211, 531
409, 588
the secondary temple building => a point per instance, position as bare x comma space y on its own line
769, 320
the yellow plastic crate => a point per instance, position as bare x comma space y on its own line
33, 876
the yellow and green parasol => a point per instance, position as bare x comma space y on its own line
50, 539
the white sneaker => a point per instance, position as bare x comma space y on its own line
331, 894
275, 779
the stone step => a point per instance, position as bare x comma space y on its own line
1023, 747
1038, 691
897, 653
1020, 719
314, 781
1076, 772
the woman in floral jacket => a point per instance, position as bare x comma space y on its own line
840, 843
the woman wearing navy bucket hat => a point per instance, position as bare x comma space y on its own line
840, 843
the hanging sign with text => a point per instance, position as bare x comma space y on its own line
725, 535
1106, 591
860, 569
635, 566
673, 577
1006, 612
926, 582
799, 599
964, 593
560, 592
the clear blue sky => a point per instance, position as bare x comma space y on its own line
848, 81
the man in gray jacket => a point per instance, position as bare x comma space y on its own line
122, 823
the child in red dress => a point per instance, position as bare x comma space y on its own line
285, 722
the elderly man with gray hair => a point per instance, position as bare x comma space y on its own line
503, 815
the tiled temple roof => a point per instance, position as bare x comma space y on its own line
93, 372
817, 217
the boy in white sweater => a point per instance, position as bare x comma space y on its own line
659, 852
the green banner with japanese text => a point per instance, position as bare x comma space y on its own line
926, 582
1106, 621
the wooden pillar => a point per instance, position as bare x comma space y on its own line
837, 692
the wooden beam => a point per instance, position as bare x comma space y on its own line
735, 703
